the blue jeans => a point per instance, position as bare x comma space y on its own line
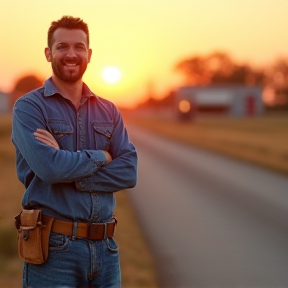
76, 262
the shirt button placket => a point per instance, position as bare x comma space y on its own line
83, 140
81, 130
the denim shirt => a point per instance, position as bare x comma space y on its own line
72, 183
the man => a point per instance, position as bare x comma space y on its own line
73, 153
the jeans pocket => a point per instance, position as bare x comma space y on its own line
58, 242
112, 245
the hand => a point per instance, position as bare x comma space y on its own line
46, 138
108, 157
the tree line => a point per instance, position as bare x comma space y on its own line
216, 68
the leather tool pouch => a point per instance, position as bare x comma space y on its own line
33, 235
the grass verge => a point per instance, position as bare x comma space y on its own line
260, 140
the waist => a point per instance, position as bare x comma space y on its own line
57, 202
91, 231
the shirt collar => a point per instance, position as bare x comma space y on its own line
50, 89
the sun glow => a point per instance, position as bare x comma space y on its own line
146, 51
111, 74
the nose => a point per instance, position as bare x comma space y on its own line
71, 52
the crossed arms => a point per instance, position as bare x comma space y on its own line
47, 138
91, 170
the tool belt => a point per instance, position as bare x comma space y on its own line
34, 229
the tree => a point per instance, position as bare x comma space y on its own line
24, 85
277, 78
218, 68
194, 70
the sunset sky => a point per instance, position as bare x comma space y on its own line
145, 39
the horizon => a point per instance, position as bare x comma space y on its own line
145, 40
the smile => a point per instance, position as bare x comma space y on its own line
71, 64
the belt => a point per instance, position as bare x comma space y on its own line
91, 231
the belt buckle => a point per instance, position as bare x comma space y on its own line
94, 232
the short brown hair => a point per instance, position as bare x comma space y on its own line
67, 22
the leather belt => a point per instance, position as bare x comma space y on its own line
91, 231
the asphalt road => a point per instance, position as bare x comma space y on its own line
210, 221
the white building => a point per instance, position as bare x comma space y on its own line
235, 101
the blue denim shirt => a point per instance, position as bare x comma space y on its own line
71, 183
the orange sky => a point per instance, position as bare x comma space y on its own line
143, 38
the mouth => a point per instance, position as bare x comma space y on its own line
70, 64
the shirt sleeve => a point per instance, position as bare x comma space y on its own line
121, 172
47, 163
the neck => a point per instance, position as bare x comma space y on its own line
71, 91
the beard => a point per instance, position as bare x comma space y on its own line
71, 75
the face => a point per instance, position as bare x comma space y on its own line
69, 54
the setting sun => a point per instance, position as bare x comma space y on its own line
111, 74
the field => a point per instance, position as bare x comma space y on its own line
261, 140
136, 259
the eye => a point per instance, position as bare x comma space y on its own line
80, 47
61, 47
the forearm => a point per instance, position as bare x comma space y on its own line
50, 164
120, 174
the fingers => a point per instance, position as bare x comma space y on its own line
108, 157
43, 132
47, 142
45, 137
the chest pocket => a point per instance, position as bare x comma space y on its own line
62, 132
102, 135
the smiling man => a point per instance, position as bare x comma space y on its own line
73, 153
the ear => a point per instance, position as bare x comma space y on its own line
89, 54
48, 54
